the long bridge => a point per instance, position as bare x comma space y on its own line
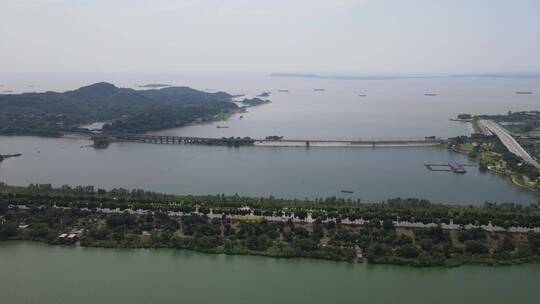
243, 141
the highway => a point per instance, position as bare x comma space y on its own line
511, 144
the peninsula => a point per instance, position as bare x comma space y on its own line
504, 144
126, 110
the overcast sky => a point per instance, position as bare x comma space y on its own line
333, 36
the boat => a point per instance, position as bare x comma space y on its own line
318, 90
430, 94
283, 91
241, 116
456, 167
523, 92
347, 191
222, 127
362, 95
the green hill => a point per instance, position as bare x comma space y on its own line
126, 110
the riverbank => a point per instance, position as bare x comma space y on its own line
403, 232
494, 157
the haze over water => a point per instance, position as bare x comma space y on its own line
62, 45
392, 109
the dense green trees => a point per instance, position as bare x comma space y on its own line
475, 247
43, 212
8, 230
408, 251
126, 110
518, 165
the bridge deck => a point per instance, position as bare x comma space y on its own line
164, 139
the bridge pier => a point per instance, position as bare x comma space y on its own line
167, 139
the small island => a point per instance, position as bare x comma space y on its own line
264, 94
251, 102
100, 142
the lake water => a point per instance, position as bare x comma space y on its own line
391, 109
38, 273
373, 174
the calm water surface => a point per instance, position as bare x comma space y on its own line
37, 273
373, 174
392, 108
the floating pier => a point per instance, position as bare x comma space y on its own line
451, 166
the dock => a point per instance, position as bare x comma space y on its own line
67, 238
451, 166
456, 167
359, 254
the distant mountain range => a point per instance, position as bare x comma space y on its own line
388, 77
125, 110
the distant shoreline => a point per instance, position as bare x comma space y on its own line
395, 77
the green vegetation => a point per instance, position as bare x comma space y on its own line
325, 228
251, 102
520, 123
494, 156
264, 94
100, 142
126, 110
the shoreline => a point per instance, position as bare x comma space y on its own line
473, 261
456, 235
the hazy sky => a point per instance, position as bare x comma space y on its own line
335, 36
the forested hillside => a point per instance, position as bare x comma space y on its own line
126, 110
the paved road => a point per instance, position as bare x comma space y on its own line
511, 144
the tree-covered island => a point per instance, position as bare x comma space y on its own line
126, 110
410, 232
